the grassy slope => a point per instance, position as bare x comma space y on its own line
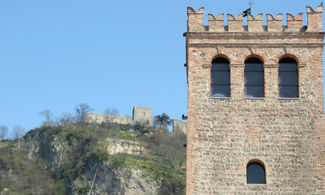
24, 169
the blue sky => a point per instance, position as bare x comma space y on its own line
108, 54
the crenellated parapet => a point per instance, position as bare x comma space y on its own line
216, 23
255, 24
274, 24
195, 20
294, 23
235, 24
314, 18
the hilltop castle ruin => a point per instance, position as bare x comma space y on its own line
142, 115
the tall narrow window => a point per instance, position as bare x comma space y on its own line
288, 78
254, 78
220, 78
255, 173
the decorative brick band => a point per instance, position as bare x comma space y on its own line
302, 65
271, 65
255, 45
237, 65
207, 66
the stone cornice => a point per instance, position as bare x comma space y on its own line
255, 45
254, 35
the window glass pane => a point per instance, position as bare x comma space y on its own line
255, 174
288, 91
287, 67
254, 78
224, 67
288, 78
254, 91
221, 78
253, 67
221, 91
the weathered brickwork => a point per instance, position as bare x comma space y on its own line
286, 134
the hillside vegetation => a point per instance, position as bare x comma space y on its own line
74, 158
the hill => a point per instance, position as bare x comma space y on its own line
105, 158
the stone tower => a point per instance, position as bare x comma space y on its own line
142, 115
255, 97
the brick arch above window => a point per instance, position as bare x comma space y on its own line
221, 55
252, 56
292, 56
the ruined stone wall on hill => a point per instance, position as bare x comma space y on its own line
142, 115
100, 118
178, 126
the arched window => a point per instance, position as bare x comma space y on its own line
255, 173
254, 78
220, 78
288, 78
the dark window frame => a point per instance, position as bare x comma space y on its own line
293, 62
226, 83
249, 87
253, 168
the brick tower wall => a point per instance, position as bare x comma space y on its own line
285, 134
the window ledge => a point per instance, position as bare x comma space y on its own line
257, 187
220, 97
256, 184
254, 98
288, 98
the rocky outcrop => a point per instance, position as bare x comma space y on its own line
120, 146
123, 181
59, 152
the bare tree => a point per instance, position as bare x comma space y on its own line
3, 132
110, 113
48, 117
81, 112
18, 132
65, 119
